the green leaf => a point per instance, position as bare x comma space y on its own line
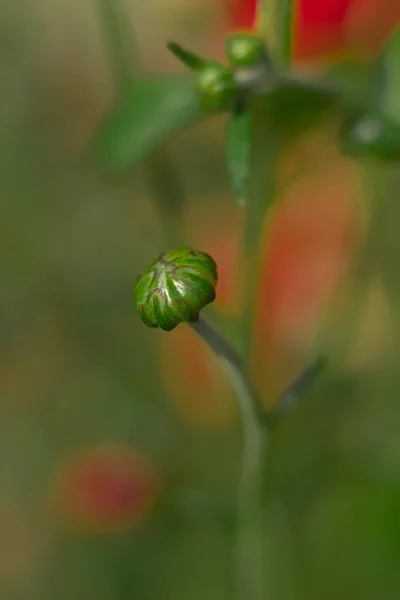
296, 106
191, 60
147, 115
238, 154
389, 93
354, 81
376, 132
372, 135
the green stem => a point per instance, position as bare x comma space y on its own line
265, 152
118, 41
284, 18
250, 564
261, 194
265, 17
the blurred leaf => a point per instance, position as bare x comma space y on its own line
390, 78
377, 132
238, 154
372, 135
191, 60
294, 107
354, 81
148, 114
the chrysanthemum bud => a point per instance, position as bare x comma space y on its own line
175, 288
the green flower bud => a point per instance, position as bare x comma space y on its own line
216, 87
175, 287
245, 50
251, 64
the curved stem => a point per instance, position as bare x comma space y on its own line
250, 565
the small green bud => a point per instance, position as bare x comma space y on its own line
175, 287
250, 61
245, 50
216, 87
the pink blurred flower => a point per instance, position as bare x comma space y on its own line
103, 488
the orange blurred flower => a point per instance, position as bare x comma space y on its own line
104, 488
310, 243
194, 381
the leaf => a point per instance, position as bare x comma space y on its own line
296, 106
148, 114
372, 135
376, 133
238, 154
354, 81
191, 60
389, 88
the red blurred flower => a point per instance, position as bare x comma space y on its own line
319, 27
103, 489
324, 28
243, 13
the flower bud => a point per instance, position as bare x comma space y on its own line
245, 50
216, 87
251, 64
175, 288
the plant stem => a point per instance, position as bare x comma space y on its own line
250, 564
261, 194
119, 44
271, 16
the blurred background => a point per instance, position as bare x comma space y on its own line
120, 445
